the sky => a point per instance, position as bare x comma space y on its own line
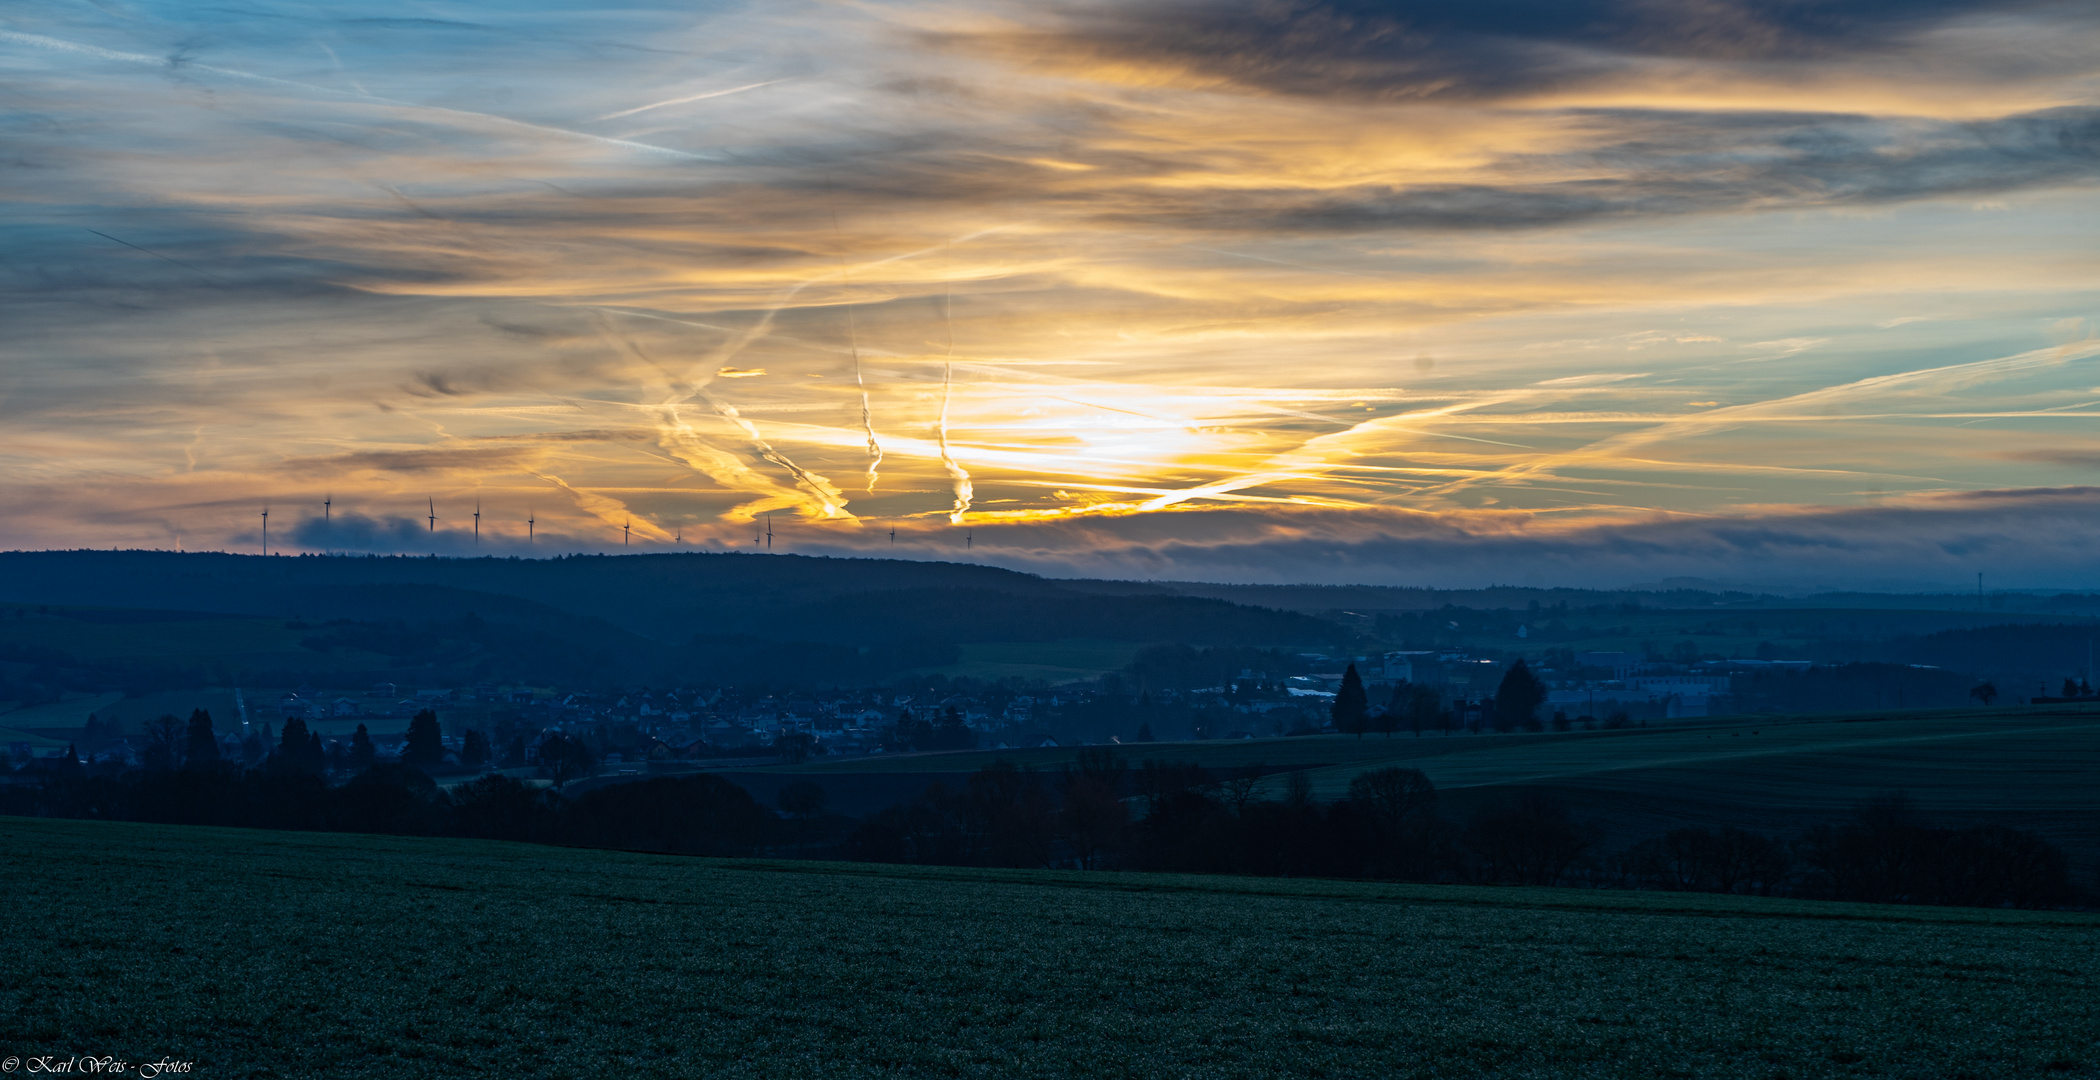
1783, 293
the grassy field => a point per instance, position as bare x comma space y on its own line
1734, 632
280, 954
136, 711
261, 642
2023, 766
1051, 661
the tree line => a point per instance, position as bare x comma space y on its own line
1100, 812
1178, 817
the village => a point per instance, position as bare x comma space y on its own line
643, 729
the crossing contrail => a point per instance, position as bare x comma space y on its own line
957, 475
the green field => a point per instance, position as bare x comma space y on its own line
2029, 766
285, 954
1053, 662
236, 640
136, 711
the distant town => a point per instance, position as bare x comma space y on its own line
487, 725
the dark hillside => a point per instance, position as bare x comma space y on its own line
606, 620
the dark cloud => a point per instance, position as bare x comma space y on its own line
2033, 538
438, 459
1666, 164
2077, 459
1430, 49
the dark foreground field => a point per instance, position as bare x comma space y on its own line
296, 954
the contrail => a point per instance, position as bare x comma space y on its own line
610, 511
956, 474
59, 45
687, 100
828, 498
867, 419
157, 255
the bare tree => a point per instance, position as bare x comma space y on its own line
164, 739
1298, 790
1241, 786
564, 758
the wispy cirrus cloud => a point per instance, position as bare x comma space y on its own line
1131, 267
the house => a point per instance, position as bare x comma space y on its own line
1622, 664
1398, 666
345, 707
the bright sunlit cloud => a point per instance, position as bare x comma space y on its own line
1249, 276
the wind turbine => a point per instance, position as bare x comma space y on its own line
893, 536
266, 528
626, 531
967, 538
326, 520
769, 532
433, 514
477, 523
528, 525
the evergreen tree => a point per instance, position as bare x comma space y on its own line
908, 734
426, 744
202, 747
1144, 733
1352, 708
953, 733
362, 752
298, 750
1518, 699
474, 749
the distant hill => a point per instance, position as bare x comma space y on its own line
587, 619
667, 597
747, 618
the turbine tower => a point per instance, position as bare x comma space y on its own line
266, 528
528, 526
626, 531
477, 523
